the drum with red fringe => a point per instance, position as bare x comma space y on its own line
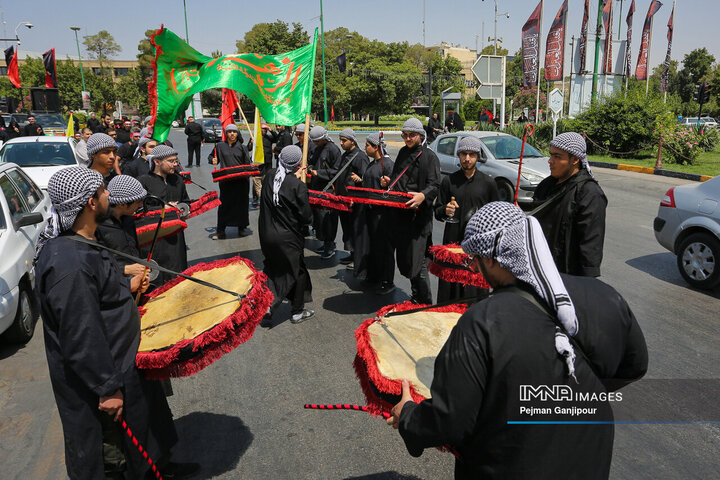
238, 171
400, 347
372, 196
207, 202
326, 200
186, 176
450, 263
146, 223
186, 326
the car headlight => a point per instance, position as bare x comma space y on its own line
209, 130
531, 177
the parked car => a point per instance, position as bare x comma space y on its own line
40, 157
212, 129
53, 124
24, 208
705, 122
688, 224
499, 159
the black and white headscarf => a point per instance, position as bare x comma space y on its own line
69, 190
318, 133
289, 158
500, 230
349, 133
374, 140
125, 189
575, 145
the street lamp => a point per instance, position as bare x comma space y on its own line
77, 42
27, 24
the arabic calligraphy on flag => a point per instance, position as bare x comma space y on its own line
531, 48
641, 69
555, 46
279, 85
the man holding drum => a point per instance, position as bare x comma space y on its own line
416, 171
461, 194
540, 330
233, 211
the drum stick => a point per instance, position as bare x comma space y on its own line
306, 144
246, 122
531, 129
150, 254
343, 406
140, 448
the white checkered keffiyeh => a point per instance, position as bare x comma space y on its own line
125, 189
289, 158
69, 190
574, 144
500, 230
318, 133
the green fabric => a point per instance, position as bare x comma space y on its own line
279, 85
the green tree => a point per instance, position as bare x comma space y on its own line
697, 66
69, 84
132, 89
101, 46
211, 100
146, 53
273, 38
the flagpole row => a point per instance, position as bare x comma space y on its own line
247, 125
306, 144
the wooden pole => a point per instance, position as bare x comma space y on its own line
306, 144
246, 122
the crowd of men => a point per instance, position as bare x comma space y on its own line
535, 265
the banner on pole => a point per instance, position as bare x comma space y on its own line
666, 65
555, 46
641, 69
531, 48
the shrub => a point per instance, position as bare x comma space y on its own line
682, 145
710, 139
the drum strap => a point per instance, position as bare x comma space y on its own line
152, 266
332, 182
470, 299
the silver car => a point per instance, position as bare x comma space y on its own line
499, 159
688, 224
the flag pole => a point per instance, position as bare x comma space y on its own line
247, 125
562, 110
539, 84
672, 14
306, 144
322, 36
647, 68
598, 30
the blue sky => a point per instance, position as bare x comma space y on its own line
217, 24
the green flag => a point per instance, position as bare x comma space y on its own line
279, 85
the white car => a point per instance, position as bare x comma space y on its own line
40, 157
704, 122
24, 209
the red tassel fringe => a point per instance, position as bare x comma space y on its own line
152, 86
458, 275
366, 360
332, 203
203, 204
166, 224
216, 342
237, 175
443, 254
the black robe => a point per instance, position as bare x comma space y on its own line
123, 136
92, 333
373, 254
359, 162
506, 341
574, 222
311, 148
326, 160
137, 167
126, 153
119, 234
470, 194
233, 211
280, 230
170, 252
411, 229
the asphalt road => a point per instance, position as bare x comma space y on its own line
242, 417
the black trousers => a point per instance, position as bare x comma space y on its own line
194, 147
347, 219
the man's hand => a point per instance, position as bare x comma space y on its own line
450, 208
299, 172
355, 178
134, 269
394, 419
313, 173
174, 204
384, 181
417, 200
112, 405
139, 281
214, 161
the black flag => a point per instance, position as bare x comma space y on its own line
50, 69
342, 62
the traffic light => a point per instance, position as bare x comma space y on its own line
696, 94
706, 93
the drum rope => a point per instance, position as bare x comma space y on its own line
342, 406
140, 448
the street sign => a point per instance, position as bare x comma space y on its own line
490, 91
86, 100
489, 69
555, 103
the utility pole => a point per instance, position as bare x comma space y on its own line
77, 42
540, 36
424, 44
598, 31
187, 39
322, 37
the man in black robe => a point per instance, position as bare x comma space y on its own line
92, 333
140, 165
31, 129
126, 151
503, 345
416, 171
373, 251
573, 217
285, 210
194, 132
461, 194
284, 138
93, 123
123, 134
300, 135
325, 161
354, 161
164, 183
233, 211
435, 127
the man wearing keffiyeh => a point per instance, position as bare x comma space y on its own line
573, 215
537, 328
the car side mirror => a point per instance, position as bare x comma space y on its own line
29, 219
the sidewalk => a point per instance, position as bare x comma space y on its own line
652, 171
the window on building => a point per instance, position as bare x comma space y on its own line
100, 71
3, 70
121, 72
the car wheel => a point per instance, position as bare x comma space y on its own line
23, 327
697, 260
506, 192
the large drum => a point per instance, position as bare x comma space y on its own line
398, 346
207, 202
326, 200
186, 326
450, 263
146, 224
238, 171
371, 196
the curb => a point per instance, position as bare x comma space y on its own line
653, 171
